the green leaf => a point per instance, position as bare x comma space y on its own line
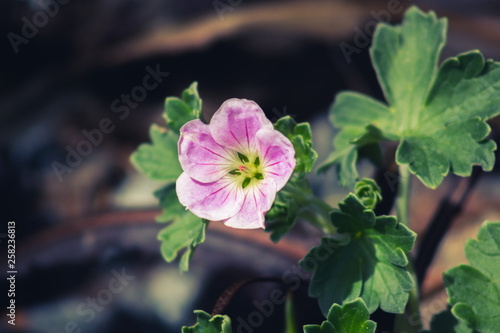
437, 115
187, 231
158, 160
474, 290
290, 204
288, 207
301, 137
352, 317
405, 59
451, 128
208, 324
371, 265
191, 97
326, 327
345, 162
355, 134
171, 207
180, 111
445, 322
282, 216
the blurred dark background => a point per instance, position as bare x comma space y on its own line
68, 64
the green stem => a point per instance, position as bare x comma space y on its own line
318, 212
410, 320
403, 195
290, 321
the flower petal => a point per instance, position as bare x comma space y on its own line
277, 155
212, 201
258, 200
235, 123
200, 156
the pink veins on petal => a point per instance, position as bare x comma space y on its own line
233, 166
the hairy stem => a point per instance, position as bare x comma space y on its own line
403, 196
318, 212
410, 320
319, 215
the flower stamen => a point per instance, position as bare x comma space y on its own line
246, 182
246, 172
243, 158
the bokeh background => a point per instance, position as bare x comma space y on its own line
66, 63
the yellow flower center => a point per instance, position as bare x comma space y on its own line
247, 170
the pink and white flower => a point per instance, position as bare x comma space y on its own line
233, 166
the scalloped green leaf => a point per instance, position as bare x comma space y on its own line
290, 205
355, 134
208, 324
437, 114
179, 111
352, 317
405, 59
371, 265
445, 322
185, 232
158, 160
282, 216
191, 97
450, 133
474, 290
301, 137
